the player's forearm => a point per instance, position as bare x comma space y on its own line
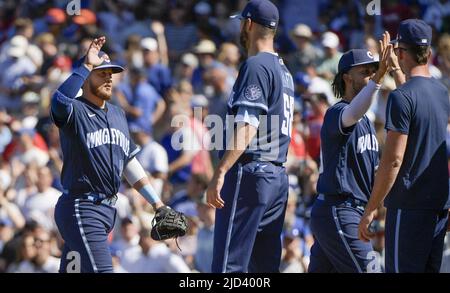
74, 82
360, 104
162, 46
159, 111
236, 147
398, 76
14, 214
67, 91
384, 180
135, 174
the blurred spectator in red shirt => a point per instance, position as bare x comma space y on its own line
319, 105
393, 13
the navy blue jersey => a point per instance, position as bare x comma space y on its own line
264, 83
349, 156
420, 109
95, 142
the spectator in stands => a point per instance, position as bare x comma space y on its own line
291, 260
153, 158
180, 34
27, 152
15, 67
229, 56
40, 205
42, 261
26, 251
10, 216
205, 236
181, 146
216, 78
205, 51
158, 74
305, 53
328, 65
153, 257
184, 70
143, 106
5, 132
201, 163
319, 105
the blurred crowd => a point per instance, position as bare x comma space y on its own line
180, 55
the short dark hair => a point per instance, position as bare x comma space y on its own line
338, 85
265, 31
419, 53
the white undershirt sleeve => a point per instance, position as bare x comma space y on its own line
248, 115
359, 105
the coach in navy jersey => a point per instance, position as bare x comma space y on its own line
250, 184
413, 171
349, 158
97, 151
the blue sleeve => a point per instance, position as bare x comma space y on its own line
333, 121
134, 150
147, 98
61, 103
252, 87
398, 113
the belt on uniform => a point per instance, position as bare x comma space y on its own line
245, 159
97, 198
342, 200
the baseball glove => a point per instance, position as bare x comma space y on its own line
168, 223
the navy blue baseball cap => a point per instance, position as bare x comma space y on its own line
414, 32
355, 57
262, 12
106, 63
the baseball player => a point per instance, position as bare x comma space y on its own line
413, 171
250, 184
349, 158
97, 151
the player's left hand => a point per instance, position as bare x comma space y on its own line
92, 59
363, 229
213, 192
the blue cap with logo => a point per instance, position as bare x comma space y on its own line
107, 64
414, 32
355, 57
263, 12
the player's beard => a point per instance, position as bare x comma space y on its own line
100, 91
243, 39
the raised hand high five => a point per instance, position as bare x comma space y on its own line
91, 60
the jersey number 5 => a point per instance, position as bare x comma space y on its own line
286, 127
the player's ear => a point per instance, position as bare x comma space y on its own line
248, 23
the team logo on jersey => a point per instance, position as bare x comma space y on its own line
105, 137
367, 142
253, 92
